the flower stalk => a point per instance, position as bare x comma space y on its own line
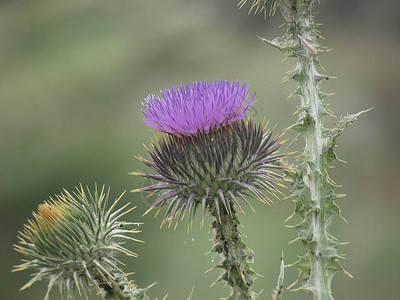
236, 257
120, 288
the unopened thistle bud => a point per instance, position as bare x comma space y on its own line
72, 242
213, 159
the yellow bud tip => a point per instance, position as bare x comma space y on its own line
48, 213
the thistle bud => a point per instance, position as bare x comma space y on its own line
73, 240
213, 170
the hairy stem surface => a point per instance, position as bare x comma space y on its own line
123, 289
236, 257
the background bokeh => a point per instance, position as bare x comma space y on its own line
72, 78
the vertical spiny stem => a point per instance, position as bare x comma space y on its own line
314, 190
321, 249
314, 111
236, 257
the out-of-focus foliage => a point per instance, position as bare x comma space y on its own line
74, 73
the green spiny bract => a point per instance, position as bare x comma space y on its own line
216, 171
259, 6
211, 170
73, 240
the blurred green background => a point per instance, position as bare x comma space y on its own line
72, 78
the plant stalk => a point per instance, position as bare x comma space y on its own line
314, 190
236, 257
122, 289
320, 252
316, 167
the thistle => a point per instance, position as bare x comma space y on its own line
212, 160
73, 241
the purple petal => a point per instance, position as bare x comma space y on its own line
197, 107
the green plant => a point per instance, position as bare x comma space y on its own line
208, 159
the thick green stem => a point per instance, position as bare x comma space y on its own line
313, 192
318, 243
315, 166
236, 257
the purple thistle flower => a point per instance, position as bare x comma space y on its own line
197, 107
212, 161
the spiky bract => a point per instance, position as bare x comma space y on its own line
72, 241
210, 170
259, 6
197, 107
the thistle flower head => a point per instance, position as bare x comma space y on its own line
73, 240
214, 170
197, 107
